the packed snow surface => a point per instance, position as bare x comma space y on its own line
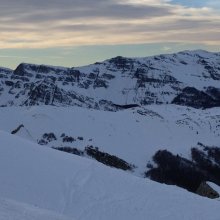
84, 189
12, 210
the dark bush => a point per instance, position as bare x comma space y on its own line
208, 161
49, 137
68, 139
175, 170
108, 159
102, 157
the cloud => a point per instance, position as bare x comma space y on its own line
46, 10
7, 56
50, 23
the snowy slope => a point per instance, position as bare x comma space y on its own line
133, 135
83, 189
12, 210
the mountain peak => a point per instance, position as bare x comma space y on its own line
119, 81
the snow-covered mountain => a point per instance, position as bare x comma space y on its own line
154, 118
187, 78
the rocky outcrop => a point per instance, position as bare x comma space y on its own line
207, 191
15, 131
108, 159
192, 97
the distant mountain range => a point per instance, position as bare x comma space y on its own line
189, 78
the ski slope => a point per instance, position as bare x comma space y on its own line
82, 189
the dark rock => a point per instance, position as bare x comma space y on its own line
207, 191
108, 159
17, 129
99, 83
122, 62
68, 139
214, 93
9, 83
24, 70
49, 137
126, 106
197, 99
75, 74
92, 76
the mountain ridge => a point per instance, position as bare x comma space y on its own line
119, 81
197, 51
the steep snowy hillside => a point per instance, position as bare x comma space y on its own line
188, 78
133, 135
83, 189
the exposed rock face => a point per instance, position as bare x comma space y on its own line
186, 78
198, 99
207, 191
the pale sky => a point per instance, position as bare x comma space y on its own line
79, 32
